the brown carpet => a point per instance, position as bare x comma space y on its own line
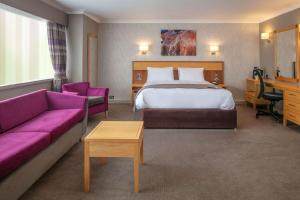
260, 161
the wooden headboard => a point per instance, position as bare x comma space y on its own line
139, 69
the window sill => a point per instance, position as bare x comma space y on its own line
29, 83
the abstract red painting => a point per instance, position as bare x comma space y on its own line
178, 42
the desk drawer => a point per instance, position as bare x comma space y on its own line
291, 105
292, 115
291, 95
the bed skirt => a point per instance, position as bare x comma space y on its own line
190, 118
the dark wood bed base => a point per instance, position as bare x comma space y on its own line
190, 118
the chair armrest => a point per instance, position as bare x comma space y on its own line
80, 87
93, 91
64, 101
69, 88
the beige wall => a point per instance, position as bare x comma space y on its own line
239, 44
266, 49
78, 29
90, 26
75, 48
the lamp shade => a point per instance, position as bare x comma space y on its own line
264, 36
143, 47
214, 48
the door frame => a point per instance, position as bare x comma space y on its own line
89, 67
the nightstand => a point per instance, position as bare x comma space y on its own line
134, 90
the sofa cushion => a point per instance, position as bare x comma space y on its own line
20, 109
95, 100
19, 147
56, 122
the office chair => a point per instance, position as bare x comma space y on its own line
273, 97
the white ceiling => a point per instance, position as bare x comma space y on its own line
177, 11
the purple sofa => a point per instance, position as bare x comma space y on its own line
84, 89
36, 129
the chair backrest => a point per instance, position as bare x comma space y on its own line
79, 87
261, 83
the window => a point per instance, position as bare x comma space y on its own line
24, 52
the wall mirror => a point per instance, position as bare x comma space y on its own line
286, 54
92, 51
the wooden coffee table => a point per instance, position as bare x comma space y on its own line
114, 139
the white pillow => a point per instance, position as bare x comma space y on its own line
191, 74
160, 74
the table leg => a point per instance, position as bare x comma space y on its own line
284, 122
136, 163
86, 168
142, 152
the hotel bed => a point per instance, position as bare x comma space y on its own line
183, 95
184, 103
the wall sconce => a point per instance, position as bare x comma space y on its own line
265, 36
213, 49
144, 48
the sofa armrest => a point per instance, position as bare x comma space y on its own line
93, 91
64, 101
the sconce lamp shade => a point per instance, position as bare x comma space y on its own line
214, 48
144, 48
264, 36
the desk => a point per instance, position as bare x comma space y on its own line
291, 98
281, 85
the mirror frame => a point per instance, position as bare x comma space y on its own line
297, 66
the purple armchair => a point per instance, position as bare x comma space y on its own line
97, 97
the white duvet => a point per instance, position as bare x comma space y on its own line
183, 97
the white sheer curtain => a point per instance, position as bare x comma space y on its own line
24, 51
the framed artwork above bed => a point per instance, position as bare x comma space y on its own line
178, 42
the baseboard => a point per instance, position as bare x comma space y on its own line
116, 101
